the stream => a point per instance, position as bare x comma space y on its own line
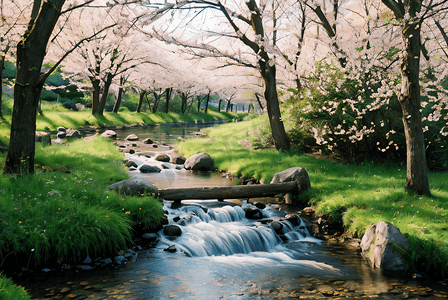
223, 255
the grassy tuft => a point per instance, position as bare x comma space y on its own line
10, 291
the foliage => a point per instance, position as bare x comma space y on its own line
10, 291
350, 114
357, 194
69, 215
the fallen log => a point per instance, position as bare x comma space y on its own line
230, 192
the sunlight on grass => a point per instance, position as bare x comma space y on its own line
358, 194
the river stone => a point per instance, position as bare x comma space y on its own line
162, 157
61, 134
177, 159
133, 186
43, 137
149, 169
130, 163
379, 245
172, 230
151, 237
109, 134
147, 141
61, 129
253, 213
298, 174
200, 161
277, 226
132, 137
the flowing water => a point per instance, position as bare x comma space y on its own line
223, 255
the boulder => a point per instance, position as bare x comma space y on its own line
253, 213
298, 174
61, 129
147, 141
172, 230
61, 134
149, 169
383, 245
162, 157
43, 137
130, 163
109, 134
132, 137
200, 161
177, 159
133, 186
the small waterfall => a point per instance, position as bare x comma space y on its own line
226, 231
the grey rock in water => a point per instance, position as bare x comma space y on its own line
132, 137
177, 159
298, 174
383, 245
172, 230
151, 237
201, 161
149, 169
109, 134
253, 213
162, 157
147, 141
134, 186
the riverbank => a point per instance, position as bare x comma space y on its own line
352, 196
63, 214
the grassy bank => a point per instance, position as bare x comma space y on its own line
55, 215
357, 194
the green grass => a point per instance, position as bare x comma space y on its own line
357, 194
52, 214
10, 291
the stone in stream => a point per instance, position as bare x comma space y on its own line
177, 159
383, 245
201, 161
109, 134
147, 141
134, 186
172, 230
132, 137
297, 174
149, 169
253, 213
162, 157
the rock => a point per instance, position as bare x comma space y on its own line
42, 137
171, 249
119, 259
132, 137
130, 163
298, 174
134, 186
73, 134
277, 226
162, 157
293, 174
147, 141
177, 159
61, 129
200, 161
79, 106
380, 246
151, 237
61, 134
172, 230
149, 169
109, 134
253, 213
260, 205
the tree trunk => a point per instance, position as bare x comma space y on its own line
184, 98
268, 72
228, 106
2, 66
417, 170
199, 103
206, 103
30, 54
120, 95
168, 93
219, 105
140, 101
95, 95
157, 99
230, 192
105, 93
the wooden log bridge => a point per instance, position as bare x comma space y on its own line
230, 192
